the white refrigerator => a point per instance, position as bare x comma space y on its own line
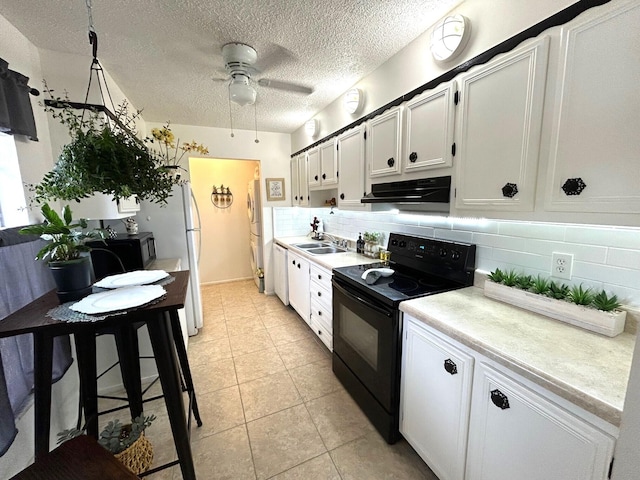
177, 234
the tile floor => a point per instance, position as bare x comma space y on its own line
270, 404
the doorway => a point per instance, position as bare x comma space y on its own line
226, 246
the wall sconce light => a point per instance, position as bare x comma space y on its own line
353, 100
449, 37
312, 127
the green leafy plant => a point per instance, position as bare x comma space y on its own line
115, 437
102, 157
603, 302
66, 240
540, 285
580, 296
510, 278
524, 282
558, 291
496, 276
373, 237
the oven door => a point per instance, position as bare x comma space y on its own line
365, 338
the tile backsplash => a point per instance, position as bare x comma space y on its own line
604, 257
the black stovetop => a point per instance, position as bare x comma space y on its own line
422, 266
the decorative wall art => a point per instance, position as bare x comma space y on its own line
275, 189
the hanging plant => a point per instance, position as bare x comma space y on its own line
103, 156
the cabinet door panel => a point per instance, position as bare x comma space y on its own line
329, 163
295, 186
498, 135
313, 165
532, 438
351, 169
434, 401
298, 276
428, 130
597, 115
383, 144
303, 180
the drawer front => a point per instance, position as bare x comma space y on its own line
321, 276
321, 294
323, 315
321, 332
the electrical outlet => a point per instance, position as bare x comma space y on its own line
561, 265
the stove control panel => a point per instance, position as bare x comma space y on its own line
415, 251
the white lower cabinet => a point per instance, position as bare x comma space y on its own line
436, 396
503, 425
321, 304
298, 276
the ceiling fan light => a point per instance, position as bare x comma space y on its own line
353, 100
241, 92
312, 127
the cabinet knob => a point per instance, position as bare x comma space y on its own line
510, 190
450, 366
319, 332
573, 186
319, 277
391, 162
319, 313
413, 157
293, 262
319, 294
316, 178
298, 265
499, 399
324, 176
342, 196
296, 197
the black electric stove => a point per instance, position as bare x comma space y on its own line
366, 319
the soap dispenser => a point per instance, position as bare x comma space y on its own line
360, 244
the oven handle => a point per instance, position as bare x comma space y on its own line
362, 300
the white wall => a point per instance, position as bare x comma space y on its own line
225, 231
493, 21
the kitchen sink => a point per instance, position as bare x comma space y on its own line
311, 245
325, 250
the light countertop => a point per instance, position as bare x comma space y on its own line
330, 260
585, 368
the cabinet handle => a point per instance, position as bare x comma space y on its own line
319, 294
573, 186
316, 178
324, 176
499, 399
293, 262
319, 277
298, 265
296, 197
342, 196
509, 190
319, 332
413, 157
319, 313
391, 162
450, 366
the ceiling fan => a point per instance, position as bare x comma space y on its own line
239, 63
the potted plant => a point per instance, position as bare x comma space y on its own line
170, 152
127, 442
575, 305
66, 252
103, 156
371, 240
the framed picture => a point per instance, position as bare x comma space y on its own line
275, 189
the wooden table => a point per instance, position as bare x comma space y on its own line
162, 324
80, 458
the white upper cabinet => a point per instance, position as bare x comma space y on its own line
328, 163
595, 151
498, 130
295, 185
428, 129
383, 144
351, 178
313, 165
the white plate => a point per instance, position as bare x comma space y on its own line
138, 277
119, 299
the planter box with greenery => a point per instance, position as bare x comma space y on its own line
576, 306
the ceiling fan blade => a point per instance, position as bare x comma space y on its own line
287, 86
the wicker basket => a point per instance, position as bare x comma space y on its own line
138, 456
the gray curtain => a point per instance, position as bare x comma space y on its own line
22, 279
16, 114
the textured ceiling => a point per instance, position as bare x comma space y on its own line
164, 54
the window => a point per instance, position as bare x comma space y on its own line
12, 202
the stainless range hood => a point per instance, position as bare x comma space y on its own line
425, 195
